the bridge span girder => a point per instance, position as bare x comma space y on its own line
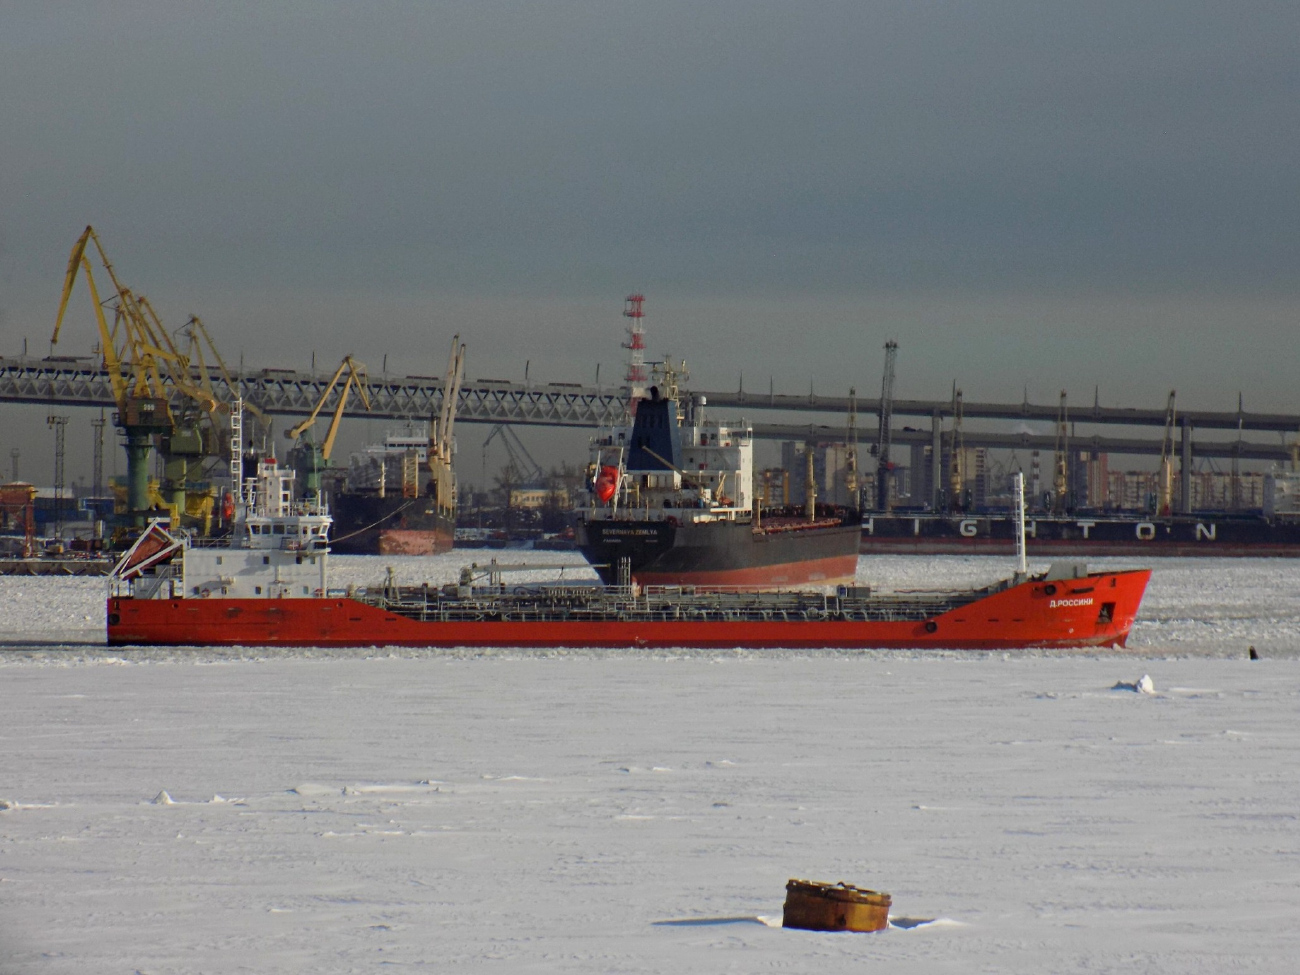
73, 382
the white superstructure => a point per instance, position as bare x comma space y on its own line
702, 471
278, 547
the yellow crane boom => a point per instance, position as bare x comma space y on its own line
442, 434
137, 338
356, 378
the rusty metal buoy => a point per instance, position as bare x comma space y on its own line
815, 906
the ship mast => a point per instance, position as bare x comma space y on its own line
635, 377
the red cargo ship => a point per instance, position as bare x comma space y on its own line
268, 586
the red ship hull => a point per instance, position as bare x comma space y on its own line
1095, 611
414, 541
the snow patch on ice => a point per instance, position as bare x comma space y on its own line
313, 790
386, 788
1145, 685
11, 805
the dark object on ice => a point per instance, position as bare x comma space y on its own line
1253, 654
815, 906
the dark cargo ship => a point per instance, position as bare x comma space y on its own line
399, 497
674, 494
387, 502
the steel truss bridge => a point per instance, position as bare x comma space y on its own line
83, 382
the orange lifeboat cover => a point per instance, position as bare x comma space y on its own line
606, 483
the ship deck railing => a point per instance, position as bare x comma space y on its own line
593, 604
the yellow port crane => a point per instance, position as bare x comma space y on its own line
197, 337
441, 445
310, 458
137, 352
1062, 503
957, 456
1165, 484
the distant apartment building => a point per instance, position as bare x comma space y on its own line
974, 474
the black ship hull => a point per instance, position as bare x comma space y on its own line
366, 524
1091, 535
784, 553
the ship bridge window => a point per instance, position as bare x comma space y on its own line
278, 529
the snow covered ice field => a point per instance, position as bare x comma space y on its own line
333, 811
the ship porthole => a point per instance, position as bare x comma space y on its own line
114, 619
931, 626
1049, 589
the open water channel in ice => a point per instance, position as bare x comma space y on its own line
253, 810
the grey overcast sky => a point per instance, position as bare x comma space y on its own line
1028, 196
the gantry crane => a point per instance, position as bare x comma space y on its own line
884, 467
530, 472
137, 352
310, 458
197, 337
187, 450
